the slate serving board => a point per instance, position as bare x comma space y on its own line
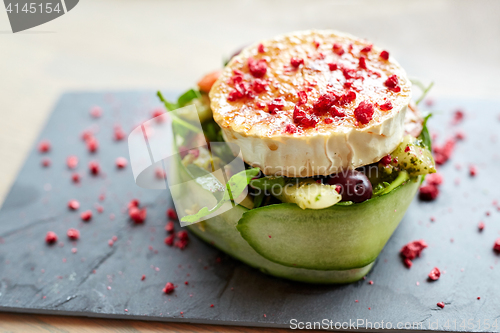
103, 281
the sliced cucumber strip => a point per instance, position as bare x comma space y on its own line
335, 238
220, 231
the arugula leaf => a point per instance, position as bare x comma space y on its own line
425, 90
175, 119
425, 135
183, 100
234, 187
187, 97
424, 93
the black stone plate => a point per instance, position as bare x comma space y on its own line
103, 281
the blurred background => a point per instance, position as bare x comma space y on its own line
151, 44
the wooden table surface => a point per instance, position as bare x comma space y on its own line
148, 44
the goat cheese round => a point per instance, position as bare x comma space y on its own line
312, 103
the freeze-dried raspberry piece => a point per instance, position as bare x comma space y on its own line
276, 104
259, 86
364, 112
118, 133
257, 68
338, 49
169, 287
384, 55
434, 179
496, 246
480, 226
434, 274
96, 112
290, 129
94, 168
137, 215
72, 162
324, 103
428, 192
73, 205
75, 177
302, 97
296, 62
73, 234
92, 144
386, 106
366, 49
171, 214
300, 118
442, 154
413, 250
169, 240
51, 237
441, 305
121, 162
44, 146
386, 160
392, 83
169, 227
86, 215
183, 235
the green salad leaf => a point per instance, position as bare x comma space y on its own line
425, 135
182, 101
234, 187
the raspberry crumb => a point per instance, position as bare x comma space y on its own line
186, 283
211, 305
169, 287
370, 282
364, 112
118, 133
169, 227
441, 305
408, 263
434, 179
94, 167
428, 192
51, 237
143, 277
362, 62
412, 250
137, 215
296, 62
96, 112
480, 226
46, 162
169, 240
392, 83
86, 215
92, 144
257, 68
75, 177
496, 246
386, 106
73, 234
73, 205
261, 48
44, 146
434, 274
171, 214
72, 162
338, 49
384, 55
472, 170
121, 162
